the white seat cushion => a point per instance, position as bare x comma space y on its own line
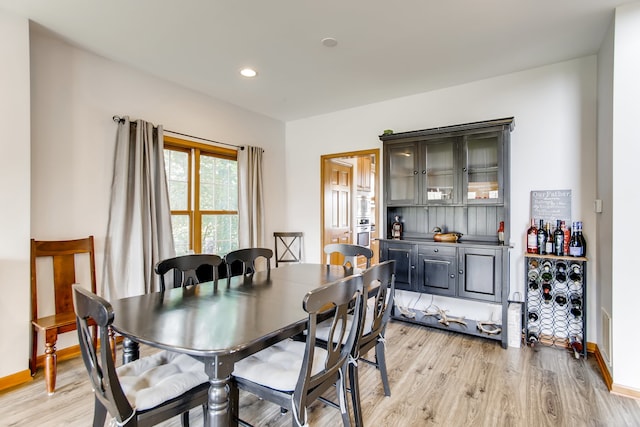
152, 380
278, 366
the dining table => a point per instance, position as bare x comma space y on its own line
222, 322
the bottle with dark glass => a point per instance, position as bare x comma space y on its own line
582, 240
575, 300
532, 238
575, 244
549, 249
558, 239
532, 335
546, 292
542, 239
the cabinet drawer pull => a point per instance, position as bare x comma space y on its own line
436, 250
460, 272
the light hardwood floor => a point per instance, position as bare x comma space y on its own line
437, 379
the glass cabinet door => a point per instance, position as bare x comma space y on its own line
403, 169
482, 177
439, 176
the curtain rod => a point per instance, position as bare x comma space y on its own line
121, 119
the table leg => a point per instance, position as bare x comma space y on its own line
130, 350
219, 410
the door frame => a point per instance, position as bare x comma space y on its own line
350, 155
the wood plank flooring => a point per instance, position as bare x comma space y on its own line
437, 378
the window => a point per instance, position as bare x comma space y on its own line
203, 195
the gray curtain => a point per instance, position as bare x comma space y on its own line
139, 232
251, 198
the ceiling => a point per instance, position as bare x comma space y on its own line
385, 49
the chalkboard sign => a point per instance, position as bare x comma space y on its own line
551, 205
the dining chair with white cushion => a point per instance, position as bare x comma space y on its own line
141, 393
379, 283
293, 374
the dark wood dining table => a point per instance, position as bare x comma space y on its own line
221, 323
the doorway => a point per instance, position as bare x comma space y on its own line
350, 197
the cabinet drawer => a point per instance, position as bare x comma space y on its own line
437, 250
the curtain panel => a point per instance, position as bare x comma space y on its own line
251, 233
139, 232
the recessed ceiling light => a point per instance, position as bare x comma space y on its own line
248, 72
329, 42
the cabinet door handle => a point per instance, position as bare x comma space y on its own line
464, 169
460, 272
413, 267
453, 276
424, 172
415, 172
436, 250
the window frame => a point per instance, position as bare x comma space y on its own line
194, 151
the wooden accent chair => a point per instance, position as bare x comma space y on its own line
287, 246
144, 392
293, 374
349, 252
63, 256
188, 269
248, 259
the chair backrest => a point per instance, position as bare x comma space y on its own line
99, 362
337, 299
63, 256
381, 279
287, 246
349, 252
248, 259
186, 268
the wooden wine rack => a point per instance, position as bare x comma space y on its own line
556, 300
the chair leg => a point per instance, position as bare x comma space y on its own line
50, 361
99, 413
342, 398
354, 385
34, 351
185, 419
382, 367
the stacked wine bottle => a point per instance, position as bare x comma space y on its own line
555, 301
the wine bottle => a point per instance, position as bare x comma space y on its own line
532, 238
546, 292
575, 244
567, 237
558, 239
532, 335
501, 233
549, 245
542, 239
582, 240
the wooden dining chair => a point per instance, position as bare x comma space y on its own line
188, 269
379, 283
144, 392
247, 257
347, 254
287, 246
293, 374
52, 313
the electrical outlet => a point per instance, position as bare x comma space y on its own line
597, 206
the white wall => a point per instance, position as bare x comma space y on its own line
14, 191
604, 220
555, 117
74, 95
625, 202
